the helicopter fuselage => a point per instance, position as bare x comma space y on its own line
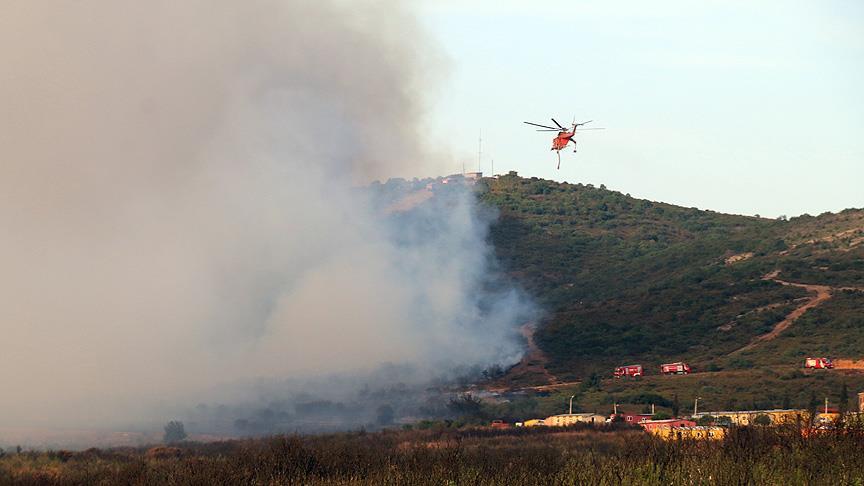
562, 140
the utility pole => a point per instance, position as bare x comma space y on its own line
571, 403
652, 409
826, 405
696, 406
615, 408
479, 149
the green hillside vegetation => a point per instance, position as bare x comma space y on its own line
836, 328
629, 280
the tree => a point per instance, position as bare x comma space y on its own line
723, 421
762, 419
813, 403
466, 406
844, 398
813, 406
385, 415
705, 420
592, 383
676, 405
174, 432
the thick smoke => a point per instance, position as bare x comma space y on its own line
179, 213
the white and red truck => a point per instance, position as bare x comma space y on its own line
629, 370
818, 363
679, 368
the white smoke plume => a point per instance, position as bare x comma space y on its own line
179, 212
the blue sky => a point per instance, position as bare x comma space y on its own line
736, 106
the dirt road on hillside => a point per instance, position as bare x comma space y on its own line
821, 293
534, 361
532, 367
848, 364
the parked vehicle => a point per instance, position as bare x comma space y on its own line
818, 363
629, 370
678, 368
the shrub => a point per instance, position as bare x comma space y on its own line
174, 432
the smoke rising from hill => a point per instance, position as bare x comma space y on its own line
178, 213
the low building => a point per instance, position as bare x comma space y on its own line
566, 419
854, 419
748, 417
829, 416
651, 425
534, 423
689, 433
631, 418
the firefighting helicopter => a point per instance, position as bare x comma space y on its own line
564, 137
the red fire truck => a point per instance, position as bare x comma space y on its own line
678, 368
818, 363
629, 370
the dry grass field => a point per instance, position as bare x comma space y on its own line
474, 456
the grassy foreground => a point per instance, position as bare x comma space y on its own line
467, 456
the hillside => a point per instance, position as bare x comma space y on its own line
628, 280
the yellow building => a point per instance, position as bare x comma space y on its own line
775, 417
825, 418
748, 417
533, 423
855, 418
689, 433
566, 419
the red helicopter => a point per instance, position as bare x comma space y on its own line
564, 136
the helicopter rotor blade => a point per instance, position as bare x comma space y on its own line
559, 125
538, 125
550, 130
583, 123
583, 129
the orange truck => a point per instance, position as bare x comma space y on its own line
818, 363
